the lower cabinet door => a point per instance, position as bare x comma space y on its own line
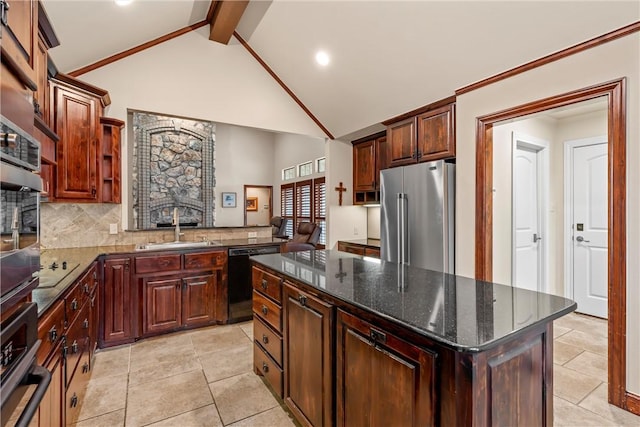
382, 380
50, 410
198, 300
162, 309
264, 365
76, 390
308, 377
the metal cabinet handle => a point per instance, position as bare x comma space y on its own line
264, 284
85, 368
74, 304
74, 400
265, 339
265, 367
53, 334
265, 310
85, 324
303, 300
86, 288
377, 336
74, 347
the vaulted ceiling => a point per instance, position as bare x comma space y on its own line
387, 57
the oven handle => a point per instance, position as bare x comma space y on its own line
42, 377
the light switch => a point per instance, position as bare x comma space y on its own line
113, 228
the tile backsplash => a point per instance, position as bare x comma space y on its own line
77, 225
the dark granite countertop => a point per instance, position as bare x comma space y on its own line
79, 259
374, 243
462, 313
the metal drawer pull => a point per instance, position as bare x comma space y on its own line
303, 300
265, 367
85, 368
265, 310
377, 336
86, 288
74, 400
85, 324
74, 347
53, 334
265, 339
74, 305
264, 284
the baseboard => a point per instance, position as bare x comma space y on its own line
632, 402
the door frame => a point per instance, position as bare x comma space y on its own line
244, 205
615, 91
541, 148
568, 147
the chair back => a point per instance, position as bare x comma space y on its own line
279, 226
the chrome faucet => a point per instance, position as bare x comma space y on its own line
176, 222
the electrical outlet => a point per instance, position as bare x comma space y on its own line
253, 234
113, 228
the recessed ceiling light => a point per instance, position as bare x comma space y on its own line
322, 58
123, 2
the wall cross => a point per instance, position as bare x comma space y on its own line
340, 189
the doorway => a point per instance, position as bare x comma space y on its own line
258, 202
529, 206
586, 225
615, 93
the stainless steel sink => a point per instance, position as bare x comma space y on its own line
174, 245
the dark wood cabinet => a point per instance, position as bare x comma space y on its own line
370, 155
436, 134
381, 379
118, 304
422, 135
76, 124
370, 249
180, 290
308, 375
109, 160
50, 412
162, 308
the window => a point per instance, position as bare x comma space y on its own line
320, 164
286, 206
304, 201
320, 207
288, 173
305, 169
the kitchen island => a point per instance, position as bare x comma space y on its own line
348, 340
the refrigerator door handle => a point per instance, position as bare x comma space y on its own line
402, 232
399, 227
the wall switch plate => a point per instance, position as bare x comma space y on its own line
113, 228
253, 234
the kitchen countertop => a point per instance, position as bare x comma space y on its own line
83, 257
465, 314
375, 243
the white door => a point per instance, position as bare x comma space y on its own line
590, 225
527, 256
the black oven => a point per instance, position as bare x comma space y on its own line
20, 188
23, 384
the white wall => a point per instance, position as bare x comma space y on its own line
615, 59
373, 222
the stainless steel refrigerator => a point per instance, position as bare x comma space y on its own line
417, 215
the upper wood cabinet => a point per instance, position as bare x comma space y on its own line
423, 135
19, 39
370, 155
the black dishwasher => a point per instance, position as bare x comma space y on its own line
239, 280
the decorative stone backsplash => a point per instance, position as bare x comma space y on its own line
70, 225
173, 168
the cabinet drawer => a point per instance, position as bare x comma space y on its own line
157, 264
269, 340
267, 310
50, 330
372, 252
205, 260
76, 390
267, 284
265, 366
77, 339
357, 250
73, 302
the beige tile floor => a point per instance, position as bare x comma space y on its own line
205, 378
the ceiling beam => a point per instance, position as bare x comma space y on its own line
225, 18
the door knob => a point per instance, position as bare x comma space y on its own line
581, 239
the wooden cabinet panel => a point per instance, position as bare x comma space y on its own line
352, 249
264, 365
308, 376
117, 301
205, 260
381, 379
41, 95
267, 310
382, 157
372, 252
50, 410
162, 304
401, 140
109, 160
76, 122
19, 39
364, 166
76, 390
77, 341
50, 330
267, 284
157, 263
270, 341
436, 134
198, 300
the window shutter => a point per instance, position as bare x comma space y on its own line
287, 203
320, 207
303, 201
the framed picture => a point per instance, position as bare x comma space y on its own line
228, 200
252, 203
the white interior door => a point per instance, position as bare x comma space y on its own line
527, 257
590, 225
